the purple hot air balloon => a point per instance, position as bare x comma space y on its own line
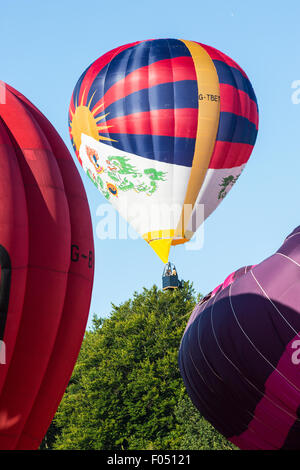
240, 353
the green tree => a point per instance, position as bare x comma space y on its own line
126, 387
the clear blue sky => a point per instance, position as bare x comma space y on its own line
46, 45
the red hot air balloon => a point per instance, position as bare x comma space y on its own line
46, 261
240, 353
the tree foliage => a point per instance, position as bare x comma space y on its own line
126, 391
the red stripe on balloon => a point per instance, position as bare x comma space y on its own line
238, 102
218, 55
180, 122
229, 154
71, 107
98, 65
162, 71
14, 238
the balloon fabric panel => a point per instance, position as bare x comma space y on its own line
238, 355
35, 377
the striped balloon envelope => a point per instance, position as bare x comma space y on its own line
46, 270
240, 353
163, 128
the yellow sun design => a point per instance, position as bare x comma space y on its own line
83, 121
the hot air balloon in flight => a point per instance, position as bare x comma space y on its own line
163, 128
46, 269
240, 353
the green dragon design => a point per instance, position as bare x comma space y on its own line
123, 176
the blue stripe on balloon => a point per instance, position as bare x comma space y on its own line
237, 129
232, 76
178, 150
182, 94
76, 91
131, 59
142, 55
